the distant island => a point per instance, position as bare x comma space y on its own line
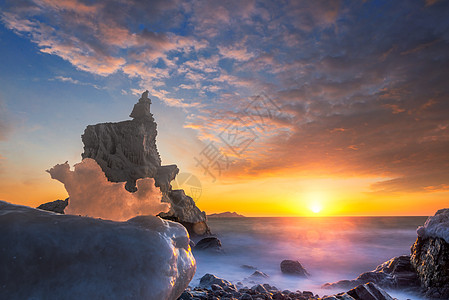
227, 214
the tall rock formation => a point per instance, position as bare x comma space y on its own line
430, 255
127, 151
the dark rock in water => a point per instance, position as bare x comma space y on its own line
257, 277
126, 151
260, 289
293, 267
368, 291
430, 257
397, 273
57, 206
209, 243
248, 267
209, 279
258, 274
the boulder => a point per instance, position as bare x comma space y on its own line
260, 289
209, 279
208, 243
256, 278
258, 275
430, 255
45, 255
368, 291
396, 273
293, 267
56, 206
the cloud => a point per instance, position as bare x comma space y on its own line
74, 81
92, 194
237, 53
362, 87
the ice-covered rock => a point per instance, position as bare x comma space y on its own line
57, 206
44, 255
436, 226
126, 151
430, 255
91, 194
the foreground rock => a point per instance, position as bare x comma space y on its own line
368, 291
52, 256
397, 273
293, 267
126, 151
213, 287
57, 206
430, 255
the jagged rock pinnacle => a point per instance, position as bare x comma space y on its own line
141, 110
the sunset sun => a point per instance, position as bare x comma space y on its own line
315, 200
316, 207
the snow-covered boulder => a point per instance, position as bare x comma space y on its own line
45, 255
430, 255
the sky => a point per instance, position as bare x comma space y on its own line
275, 108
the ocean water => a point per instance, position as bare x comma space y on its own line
330, 248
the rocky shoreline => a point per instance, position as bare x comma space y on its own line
425, 273
214, 288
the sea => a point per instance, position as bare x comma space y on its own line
330, 249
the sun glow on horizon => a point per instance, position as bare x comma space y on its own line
315, 201
315, 207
